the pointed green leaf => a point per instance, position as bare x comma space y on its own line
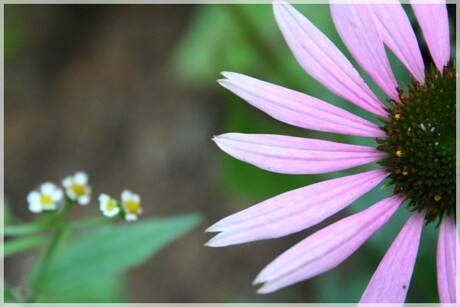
12, 247
29, 228
112, 249
106, 289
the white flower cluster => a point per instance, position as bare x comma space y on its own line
49, 196
130, 205
77, 190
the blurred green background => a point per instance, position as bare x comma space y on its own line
128, 93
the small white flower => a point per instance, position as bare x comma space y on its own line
77, 188
131, 203
108, 205
47, 198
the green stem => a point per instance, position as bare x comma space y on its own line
25, 229
12, 247
42, 266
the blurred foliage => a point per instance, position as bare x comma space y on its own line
246, 39
105, 252
11, 40
22, 244
113, 248
88, 267
102, 289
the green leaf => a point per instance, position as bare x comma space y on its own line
106, 289
112, 249
25, 229
12, 247
8, 294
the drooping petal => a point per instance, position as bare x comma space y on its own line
293, 211
434, 22
35, 207
320, 58
294, 155
326, 248
298, 109
84, 200
49, 207
355, 25
396, 31
446, 256
391, 280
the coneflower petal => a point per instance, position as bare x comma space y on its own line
434, 22
396, 31
293, 211
445, 258
390, 282
320, 58
295, 155
355, 25
326, 248
298, 109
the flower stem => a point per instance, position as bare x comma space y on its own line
26, 229
61, 230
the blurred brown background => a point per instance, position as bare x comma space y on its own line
90, 88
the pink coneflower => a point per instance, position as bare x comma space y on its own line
416, 148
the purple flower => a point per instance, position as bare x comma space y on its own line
415, 148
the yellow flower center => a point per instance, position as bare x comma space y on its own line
78, 189
111, 205
46, 200
132, 206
